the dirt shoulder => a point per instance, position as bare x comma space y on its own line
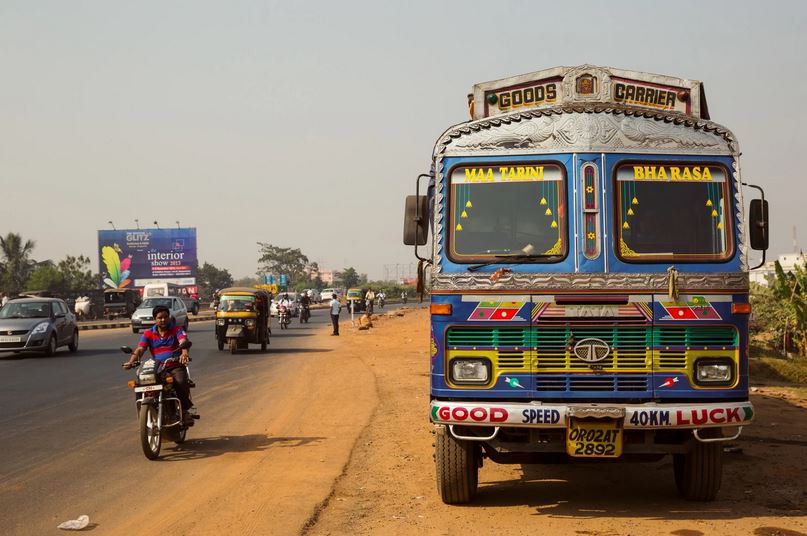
389, 485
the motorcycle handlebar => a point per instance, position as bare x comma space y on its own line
135, 364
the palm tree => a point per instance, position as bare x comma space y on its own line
16, 265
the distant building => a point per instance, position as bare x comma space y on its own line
327, 277
788, 262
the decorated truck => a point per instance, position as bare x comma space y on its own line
588, 262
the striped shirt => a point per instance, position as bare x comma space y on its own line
163, 347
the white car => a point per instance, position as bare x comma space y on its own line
327, 294
294, 307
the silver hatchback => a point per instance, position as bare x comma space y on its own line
142, 319
37, 325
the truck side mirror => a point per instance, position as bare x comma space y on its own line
416, 224
758, 224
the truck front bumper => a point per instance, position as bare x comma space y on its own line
647, 416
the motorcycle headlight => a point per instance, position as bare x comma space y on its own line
470, 371
146, 379
42, 327
714, 371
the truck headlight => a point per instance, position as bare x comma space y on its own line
250, 323
219, 321
470, 371
42, 327
714, 371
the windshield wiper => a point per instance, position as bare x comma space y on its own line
513, 259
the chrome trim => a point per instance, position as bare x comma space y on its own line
716, 439
473, 438
581, 282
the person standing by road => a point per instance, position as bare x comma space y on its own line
370, 300
336, 308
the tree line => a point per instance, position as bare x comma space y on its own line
72, 276
19, 271
780, 310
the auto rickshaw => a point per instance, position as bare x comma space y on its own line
242, 318
355, 300
120, 302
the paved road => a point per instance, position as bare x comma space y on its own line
78, 405
69, 427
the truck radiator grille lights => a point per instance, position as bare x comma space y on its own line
617, 383
633, 348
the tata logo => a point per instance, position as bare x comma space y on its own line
592, 350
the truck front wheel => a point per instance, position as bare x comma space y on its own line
457, 464
698, 472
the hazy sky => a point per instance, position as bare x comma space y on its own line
304, 124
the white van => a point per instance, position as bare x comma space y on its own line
156, 290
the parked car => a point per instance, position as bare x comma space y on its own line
142, 319
294, 307
37, 324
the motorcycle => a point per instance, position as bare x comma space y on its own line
160, 413
305, 313
381, 301
283, 316
404, 297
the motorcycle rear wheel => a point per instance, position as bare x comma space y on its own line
150, 439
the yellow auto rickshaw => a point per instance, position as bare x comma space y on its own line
242, 318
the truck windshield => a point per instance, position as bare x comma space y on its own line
673, 211
505, 210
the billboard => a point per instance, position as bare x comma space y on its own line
135, 257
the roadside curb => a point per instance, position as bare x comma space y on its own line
128, 323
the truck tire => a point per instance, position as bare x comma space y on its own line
457, 465
698, 473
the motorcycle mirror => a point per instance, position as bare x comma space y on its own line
126, 350
185, 345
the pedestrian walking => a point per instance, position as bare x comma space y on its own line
336, 308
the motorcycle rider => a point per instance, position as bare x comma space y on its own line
163, 342
284, 301
403, 296
305, 304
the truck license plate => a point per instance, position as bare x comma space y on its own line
594, 438
9, 339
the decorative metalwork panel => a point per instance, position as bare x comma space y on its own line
612, 282
589, 132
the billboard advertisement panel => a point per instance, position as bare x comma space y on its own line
135, 257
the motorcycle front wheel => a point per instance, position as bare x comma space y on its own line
149, 431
